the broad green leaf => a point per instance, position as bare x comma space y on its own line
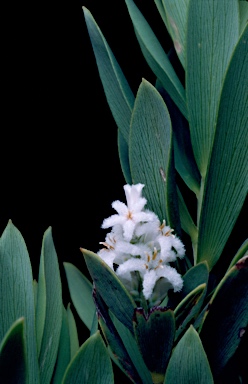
242, 251
150, 146
226, 184
110, 288
194, 366
13, 358
157, 58
226, 317
16, 293
118, 93
176, 15
189, 308
64, 351
194, 277
49, 273
243, 14
74, 342
115, 344
155, 333
81, 293
133, 351
91, 364
212, 33
160, 7
184, 157
124, 158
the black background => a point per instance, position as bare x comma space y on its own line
58, 148
58, 152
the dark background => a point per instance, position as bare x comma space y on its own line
58, 152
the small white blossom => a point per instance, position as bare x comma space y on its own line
138, 242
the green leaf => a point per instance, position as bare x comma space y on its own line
49, 273
226, 317
116, 346
160, 7
150, 146
133, 351
184, 157
194, 366
242, 251
243, 15
186, 220
118, 93
155, 333
74, 342
91, 364
13, 364
212, 33
189, 308
194, 277
110, 288
124, 157
176, 15
81, 293
157, 58
64, 351
16, 293
226, 184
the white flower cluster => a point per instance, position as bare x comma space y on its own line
138, 242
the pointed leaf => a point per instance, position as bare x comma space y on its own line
91, 364
194, 277
227, 316
213, 31
243, 14
176, 14
53, 320
242, 251
13, 364
16, 293
110, 288
118, 93
74, 342
157, 58
155, 333
226, 184
133, 351
64, 352
150, 145
81, 293
194, 366
160, 7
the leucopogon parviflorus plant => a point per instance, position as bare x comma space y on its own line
167, 298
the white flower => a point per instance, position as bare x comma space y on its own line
131, 214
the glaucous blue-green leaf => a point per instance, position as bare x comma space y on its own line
64, 351
150, 146
157, 58
155, 333
188, 363
124, 157
194, 277
118, 93
226, 184
212, 33
49, 273
73, 333
242, 251
81, 293
184, 157
226, 317
187, 310
133, 351
91, 364
176, 15
13, 357
243, 14
111, 289
16, 293
115, 344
